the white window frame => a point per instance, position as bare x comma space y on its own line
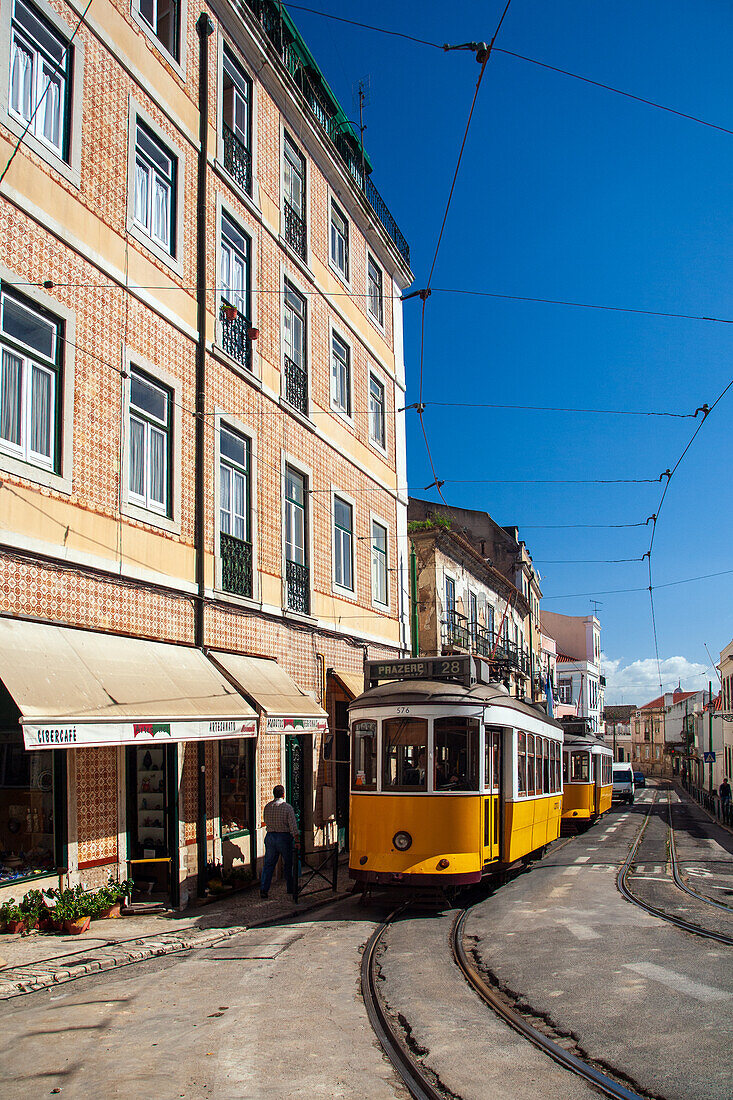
230, 423
287, 138
32, 363
69, 166
11, 461
339, 587
344, 275
174, 259
379, 322
251, 200
287, 276
379, 444
178, 64
288, 459
225, 208
348, 412
130, 505
380, 522
152, 426
156, 178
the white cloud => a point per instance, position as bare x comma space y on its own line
639, 682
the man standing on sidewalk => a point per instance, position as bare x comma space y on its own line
282, 834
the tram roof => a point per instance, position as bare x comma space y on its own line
439, 692
584, 741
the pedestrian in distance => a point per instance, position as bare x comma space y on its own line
281, 837
724, 792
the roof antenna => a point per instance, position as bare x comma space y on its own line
361, 93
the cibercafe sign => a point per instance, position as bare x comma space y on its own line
69, 735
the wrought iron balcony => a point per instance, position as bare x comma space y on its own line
235, 335
296, 386
294, 230
236, 565
237, 159
456, 632
297, 587
268, 15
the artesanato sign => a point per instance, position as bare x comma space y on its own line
296, 725
83, 734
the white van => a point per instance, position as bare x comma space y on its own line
623, 783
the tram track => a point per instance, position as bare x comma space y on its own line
420, 1081
655, 910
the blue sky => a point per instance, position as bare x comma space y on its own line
568, 191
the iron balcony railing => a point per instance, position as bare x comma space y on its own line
460, 633
297, 587
267, 14
237, 159
236, 565
235, 335
294, 230
296, 386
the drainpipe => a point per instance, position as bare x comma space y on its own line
204, 28
413, 602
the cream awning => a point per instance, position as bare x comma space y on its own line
284, 706
353, 682
80, 687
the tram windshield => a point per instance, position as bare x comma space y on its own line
579, 767
404, 754
364, 756
456, 754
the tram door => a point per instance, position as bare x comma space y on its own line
596, 758
492, 806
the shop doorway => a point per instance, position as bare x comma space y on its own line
341, 769
152, 823
295, 778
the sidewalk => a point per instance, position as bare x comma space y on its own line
39, 960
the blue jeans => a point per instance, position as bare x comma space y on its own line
276, 845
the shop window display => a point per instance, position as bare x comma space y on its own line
27, 838
235, 775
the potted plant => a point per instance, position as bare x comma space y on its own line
12, 917
108, 900
32, 909
228, 311
73, 909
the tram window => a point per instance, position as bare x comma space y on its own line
522, 763
547, 782
565, 767
404, 754
558, 784
364, 756
530, 764
496, 760
487, 761
456, 744
579, 769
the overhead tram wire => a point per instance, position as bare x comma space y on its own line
51, 284
483, 53
519, 57
669, 474
625, 591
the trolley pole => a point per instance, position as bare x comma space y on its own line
710, 788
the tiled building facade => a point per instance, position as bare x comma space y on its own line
166, 315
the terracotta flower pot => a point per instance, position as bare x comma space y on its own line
15, 926
111, 913
229, 312
76, 927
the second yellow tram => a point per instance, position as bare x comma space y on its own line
452, 778
587, 765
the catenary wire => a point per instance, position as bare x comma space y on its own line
621, 591
49, 284
519, 57
424, 294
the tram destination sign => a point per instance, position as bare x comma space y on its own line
460, 670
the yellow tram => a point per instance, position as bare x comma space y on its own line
452, 778
587, 771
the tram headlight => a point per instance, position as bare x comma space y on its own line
402, 841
